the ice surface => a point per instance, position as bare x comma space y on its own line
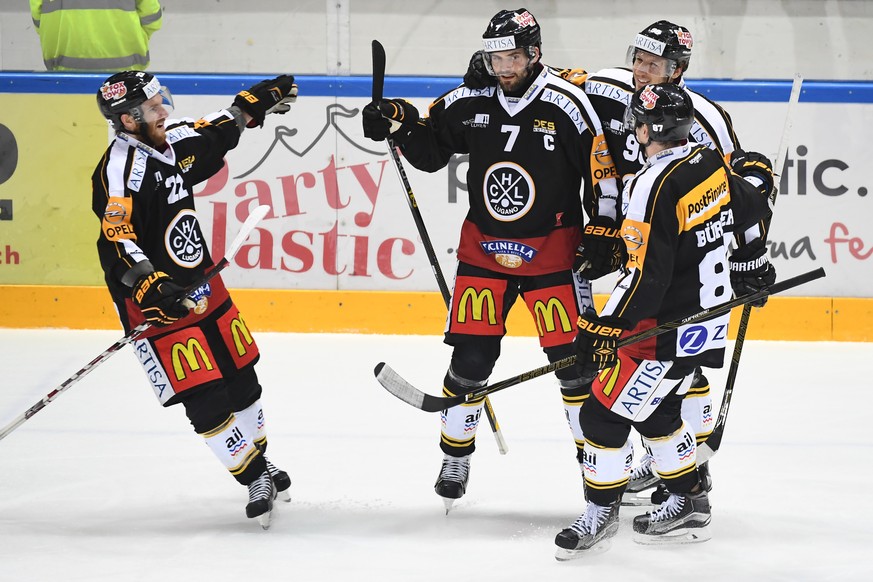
104, 484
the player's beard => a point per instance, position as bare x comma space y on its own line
155, 136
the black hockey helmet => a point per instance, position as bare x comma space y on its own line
125, 92
667, 110
511, 29
665, 39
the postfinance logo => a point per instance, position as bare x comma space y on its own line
478, 301
189, 356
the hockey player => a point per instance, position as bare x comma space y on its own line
660, 53
681, 211
534, 143
151, 247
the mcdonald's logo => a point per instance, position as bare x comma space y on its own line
478, 305
242, 338
194, 355
544, 313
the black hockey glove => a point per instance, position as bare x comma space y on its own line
602, 249
161, 300
272, 96
392, 118
477, 76
597, 343
755, 168
751, 271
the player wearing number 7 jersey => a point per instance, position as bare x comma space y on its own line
537, 155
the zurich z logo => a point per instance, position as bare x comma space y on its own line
693, 339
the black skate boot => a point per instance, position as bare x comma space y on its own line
661, 494
642, 480
262, 492
281, 480
682, 519
589, 534
452, 481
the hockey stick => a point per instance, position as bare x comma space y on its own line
408, 393
134, 334
712, 443
378, 84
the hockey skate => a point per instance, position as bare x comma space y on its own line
661, 494
281, 480
642, 481
682, 519
262, 492
589, 534
452, 481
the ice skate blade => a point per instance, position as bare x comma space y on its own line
637, 498
284, 496
564, 555
448, 502
264, 519
688, 535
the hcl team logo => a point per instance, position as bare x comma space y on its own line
509, 191
184, 240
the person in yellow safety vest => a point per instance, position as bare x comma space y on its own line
95, 35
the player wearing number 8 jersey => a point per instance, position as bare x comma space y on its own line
682, 210
537, 156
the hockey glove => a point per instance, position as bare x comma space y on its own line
602, 249
751, 271
575, 76
597, 343
161, 300
755, 168
477, 76
392, 118
272, 96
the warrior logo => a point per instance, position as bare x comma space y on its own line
184, 240
509, 191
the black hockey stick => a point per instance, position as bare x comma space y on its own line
378, 85
408, 393
712, 443
137, 332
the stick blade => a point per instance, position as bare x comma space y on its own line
396, 385
378, 69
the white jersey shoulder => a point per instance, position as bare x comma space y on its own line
712, 127
571, 99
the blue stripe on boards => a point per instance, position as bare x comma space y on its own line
425, 87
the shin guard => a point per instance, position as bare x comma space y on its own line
459, 423
235, 448
607, 471
674, 459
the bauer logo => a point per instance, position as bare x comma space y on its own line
184, 240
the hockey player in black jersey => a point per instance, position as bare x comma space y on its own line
681, 211
537, 156
661, 53
151, 247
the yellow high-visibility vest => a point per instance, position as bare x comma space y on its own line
95, 35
